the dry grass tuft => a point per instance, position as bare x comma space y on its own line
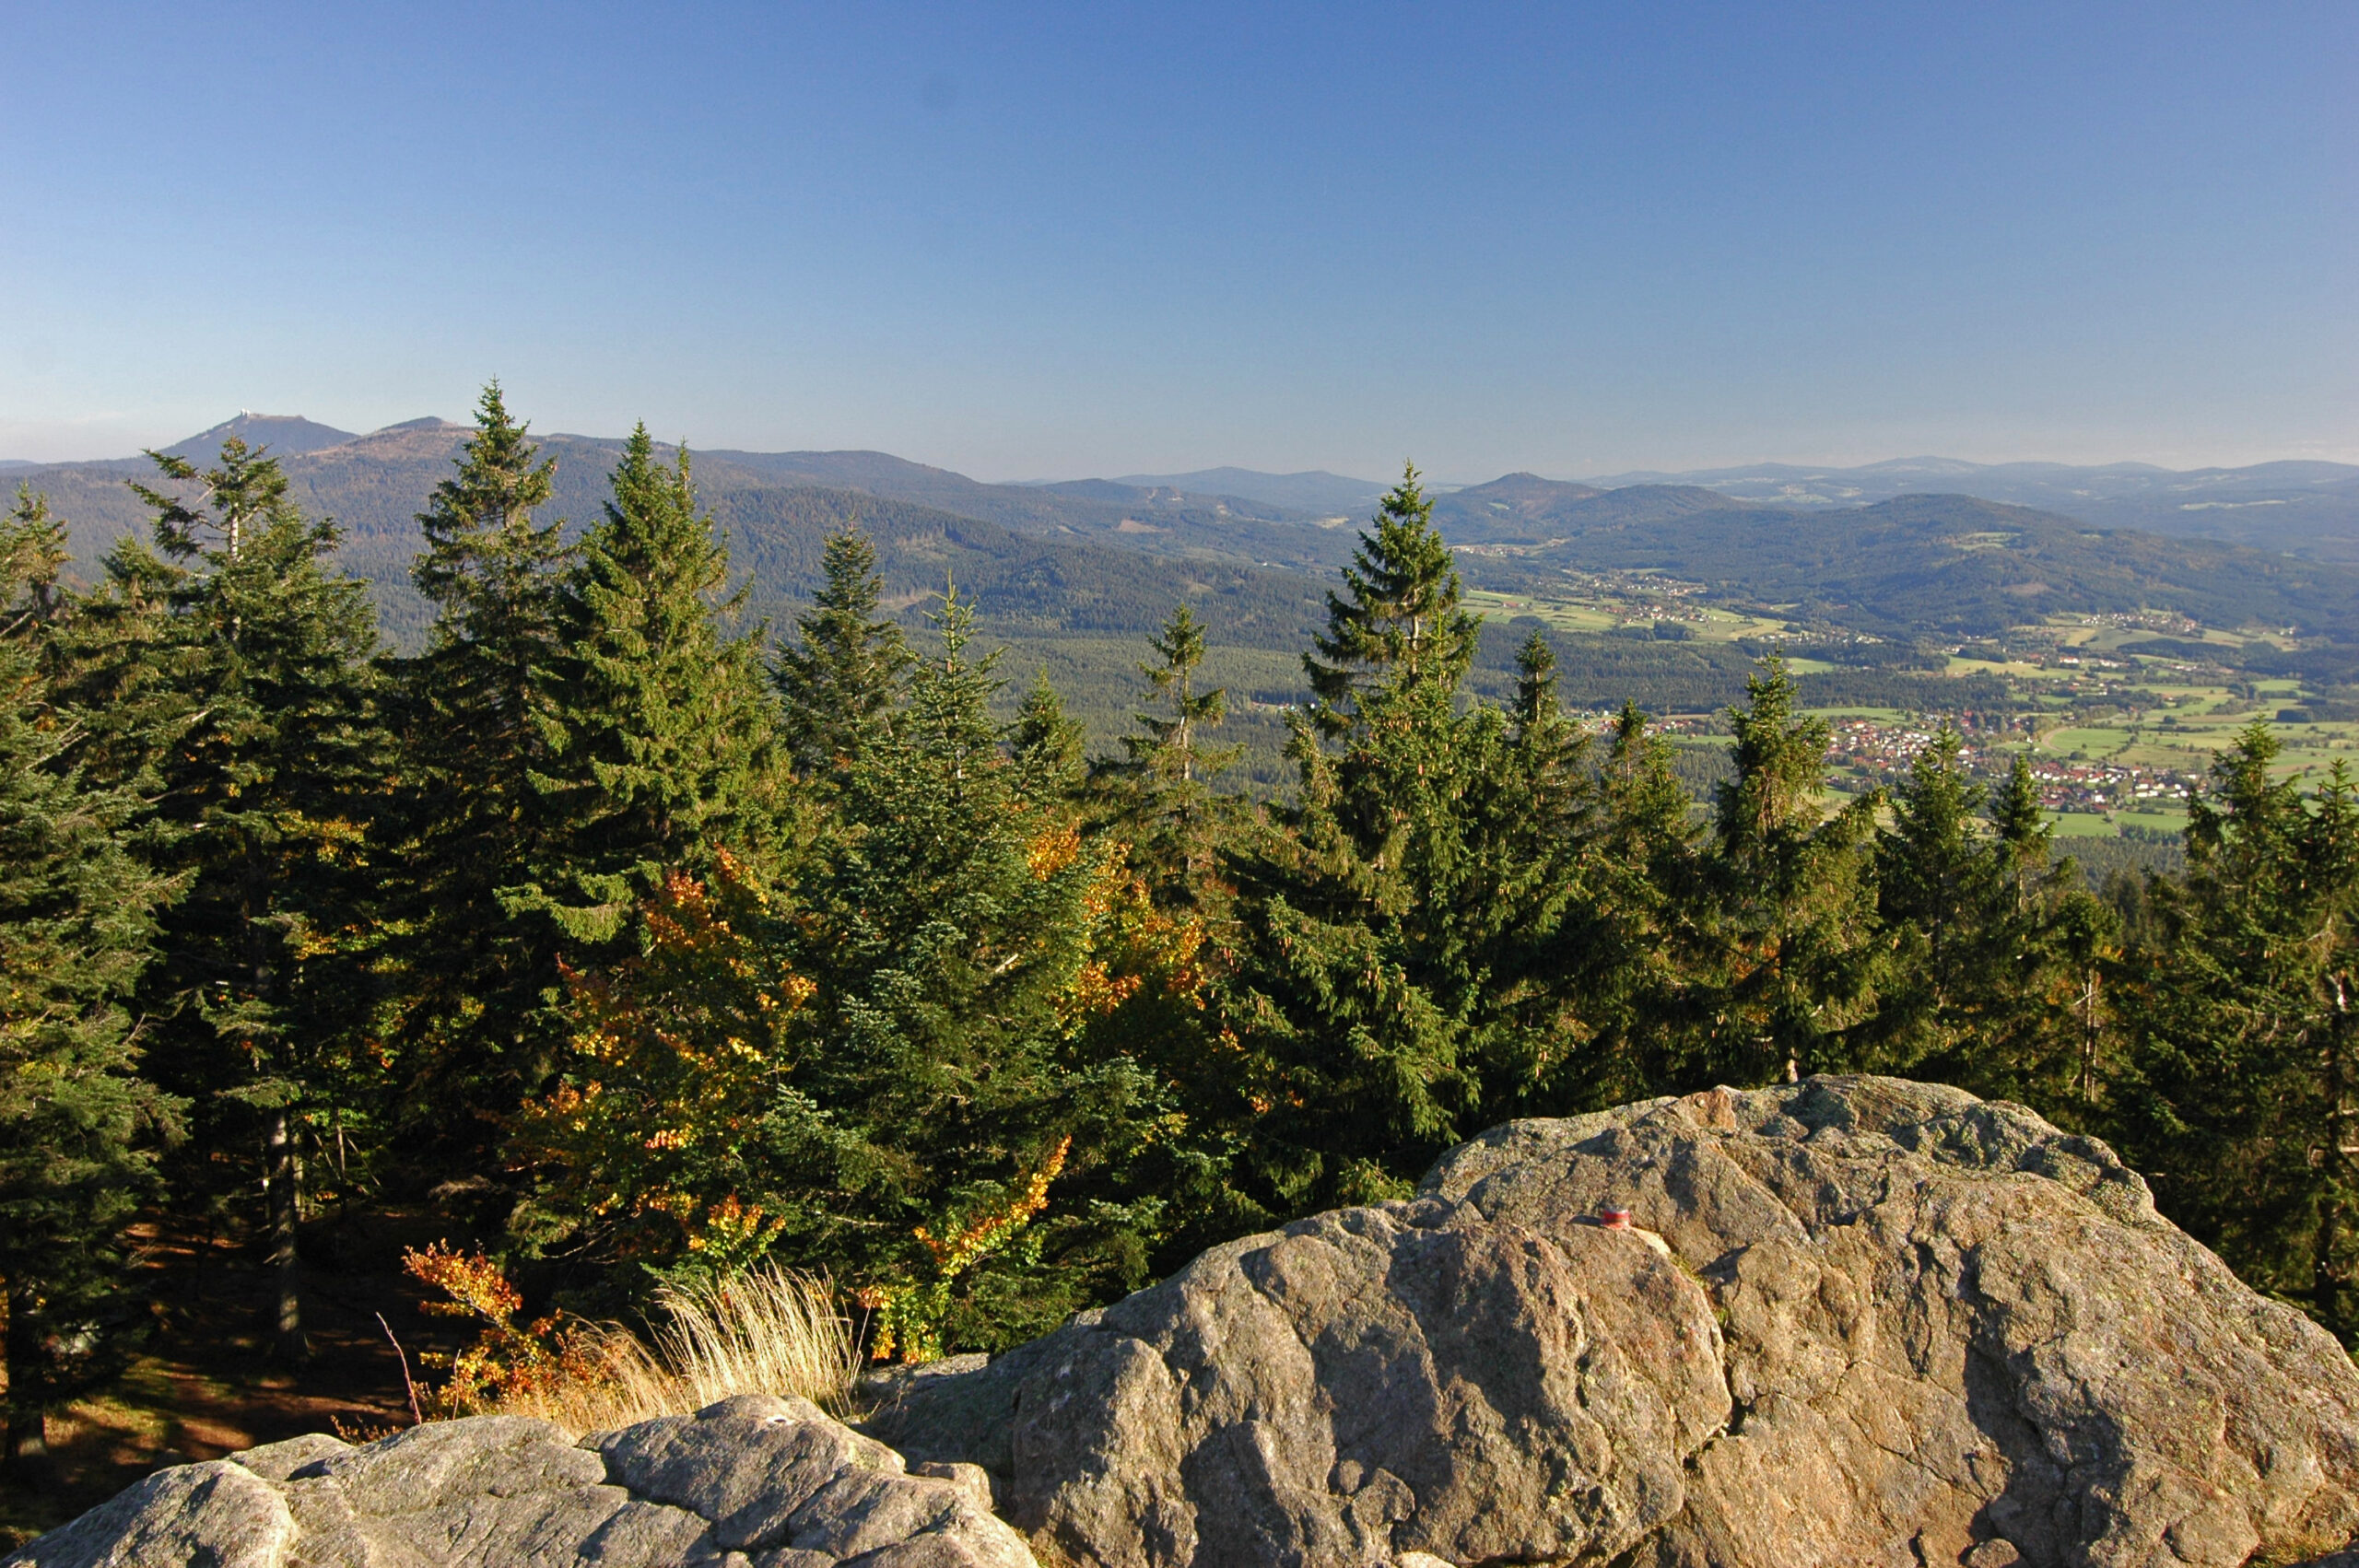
767, 1331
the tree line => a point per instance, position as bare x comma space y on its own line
683, 948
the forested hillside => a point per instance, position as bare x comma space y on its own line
1939, 565
624, 945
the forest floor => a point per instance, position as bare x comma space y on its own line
207, 1383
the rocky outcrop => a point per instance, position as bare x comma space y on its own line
1410, 1376
1898, 1325
1854, 1322
751, 1482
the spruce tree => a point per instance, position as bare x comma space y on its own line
1046, 745
962, 938
1393, 919
1647, 819
478, 985
1945, 898
2237, 1097
1550, 757
263, 978
1159, 796
662, 744
1173, 747
79, 1126
2050, 1047
34, 555
837, 683
1645, 959
117, 659
1989, 946
1398, 625
1789, 904
1530, 827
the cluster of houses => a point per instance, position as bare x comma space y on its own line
1886, 750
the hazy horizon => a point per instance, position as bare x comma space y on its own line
1436, 477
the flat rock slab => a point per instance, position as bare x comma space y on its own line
1897, 1326
750, 1482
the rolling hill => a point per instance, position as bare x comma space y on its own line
374, 485
1524, 508
286, 434
2304, 509
1072, 575
1313, 490
1941, 565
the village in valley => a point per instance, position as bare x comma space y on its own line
2121, 714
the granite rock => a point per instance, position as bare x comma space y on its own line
1898, 1325
750, 1482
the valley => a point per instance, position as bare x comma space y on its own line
2122, 659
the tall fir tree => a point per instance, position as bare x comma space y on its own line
2238, 1097
1946, 898
1158, 796
1790, 905
479, 1012
118, 662
1048, 746
1391, 915
79, 1124
33, 555
1174, 745
1530, 827
662, 741
1552, 753
2052, 1049
1644, 958
264, 979
838, 681
1398, 627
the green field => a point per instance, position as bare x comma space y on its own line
1603, 612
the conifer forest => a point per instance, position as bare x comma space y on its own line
662, 943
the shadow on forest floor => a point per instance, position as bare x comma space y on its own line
207, 1385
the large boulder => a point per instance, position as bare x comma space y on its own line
750, 1482
1897, 1325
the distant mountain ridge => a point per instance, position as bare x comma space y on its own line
1108, 556
1312, 490
1937, 565
286, 435
1525, 509
2302, 508
1091, 547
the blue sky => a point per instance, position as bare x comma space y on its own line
1031, 241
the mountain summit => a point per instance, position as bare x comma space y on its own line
286, 435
